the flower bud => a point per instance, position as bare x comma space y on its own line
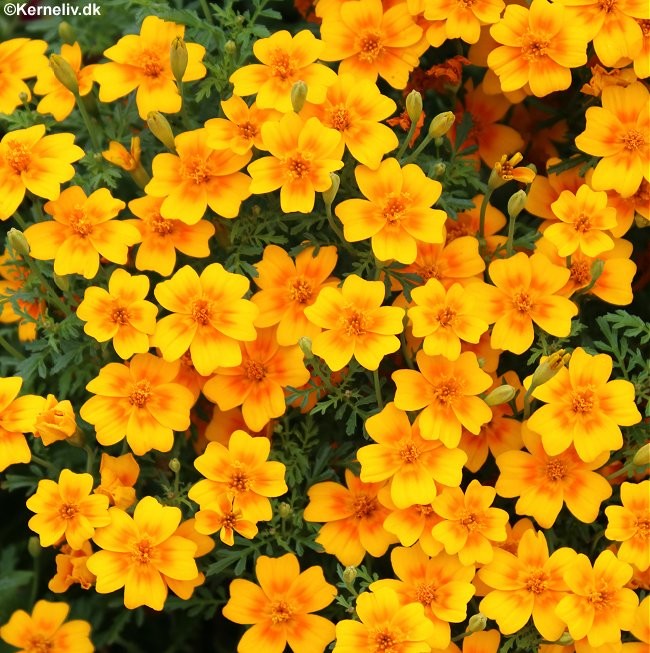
565, 639
66, 33
642, 456
175, 465
230, 48
55, 422
349, 575
330, 193
305, 346
178, 58
641, 222
34, 546
548, 368
298, 95
477, 622
441, 124
516, 203
597, 268
414, 105
23, 97
501, 395
161, 129
63, 72
439, 170
284, 510
17, 242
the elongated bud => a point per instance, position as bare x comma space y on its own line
230, 48
477, 622
34, 547
501, 395
349, 575
549, 368
642, 456
441, 124
414, 105
284, 510
565, 639
160, 128
178, 58
66, 33
63, 72
298, 95
516, 203
18, 242
175, 465
330, 193
597, 268
305, 346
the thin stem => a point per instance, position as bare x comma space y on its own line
407, 140
11, 350
418, 149
336, 230
90, 458
206, 11
89, 127
510, 243
380, 401
42, 462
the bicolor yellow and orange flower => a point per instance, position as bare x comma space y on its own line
224, 518
55, 421
118, 476
20, 59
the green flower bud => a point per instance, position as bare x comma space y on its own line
642, 456
175, 465
34, 546
66, 33
516, 203
17, 242
298, 95
305, 346
161, 129
230, 48
441, 124
330, 193
477, 622
501, 395
414, 105
284, 510
349, 575
63, 72
178, 58
565, 639
549, 368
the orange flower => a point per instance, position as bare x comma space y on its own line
288, 288
447, 391
140, 401
31, 161
397, 212
198, 176
355, 324
545, 483
118, 476
45, 630
463, 20
539, 46
139, 552
121, 313
161, 238
302, 156
630, 524
83, 229
71, 569
354, 519
67, 509
209, 317
226, 519
19, 60
279, 607
285, 60
119, 156
371, 41
412, 524
618, 132
142, 61
55, 421
584, 408
505, 170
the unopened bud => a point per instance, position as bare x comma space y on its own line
565, 639
17, 242
439, 170
62, 282
66, 33
23, 97
597, 268
284, 510
330, 193
305, 346
160, 128
441, 124
34, 546
230, 48
298, 95
63, 72
349, 575
516, 204
501, 395
642, 456
175, 465
178, 58
477, 622
547, 369
414, 105
641, 222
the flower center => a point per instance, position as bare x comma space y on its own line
300, 290
533, 47
201, 311
643, 528
281, 612
354, 323
424, 510
248, 131
159, 225
556, 470
370, 46
456, 229
607, 6
425, 593
582, 401
254, 370
394, 209
364, 506
536, 583
633, 140
79, 223
431, 271
229, 520
142, 552
446, 317
140, 394
445, 391
644, 23
522, 302
68, 511
470, 520
409, 453
18, 157
600, 598
196, 169
39, 644
282, 65
340, 118
582, 223
297, 166
150, 62
580, 273
120, 315
239, 481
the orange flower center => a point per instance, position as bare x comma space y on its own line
364, 506
140, 394
582, 223
281, 612
456, 229
150, 63
239, 481
300, 290
201, 311
229, 520
68, 511
18, 157
394, 209
446, 317
120, 315
386, 642
633, 140
556, 470
580, 273
607, 6
282, 65
370, 46
600, 598
582, 401
470, 520
537, 583
80, 224
409, 453
522, 302
196, 169
142, 552
643, 528
424, 510
248, 131
254, 370
445, 391
39, 644
533, 47
354, 323
340, 118
297, 166
644, 23
426, 594
159, 225
431, 271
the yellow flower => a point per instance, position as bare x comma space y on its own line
55, 421
463, 20
118, 476
222, 516
20, 59
71, 569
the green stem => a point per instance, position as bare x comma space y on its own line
89, 126
418, 149
407, 140
19, 220
380, 401
42, 462
510, 243
338, 233
11, 350
467, 633
206, 11
90, 458
54, 298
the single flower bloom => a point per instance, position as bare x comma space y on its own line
413, 465
618, 133
20, 59
241, 472
46, 629
354, 519
222, 516
198, 177
538, 46
209, 317
528, 583
142, 61
280, 606
71, 569
470, 527
599, 605
82, 231
630, 524
31, 161
285, 59
119, 156
506, 169
584, 408
412, 524
462, 20
139, 552
258, 384
60, 101
355, 324
140, 401
544, 483
121, 313
67, 509
55, 421
397, 213
303, 153
118, 475
446, 390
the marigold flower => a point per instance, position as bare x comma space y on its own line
31, 161
412, 524
599, 605
55, 421
384, 625
545, 483
355, 324
45, 630
354, 519
280, 607
118, 476
198, 176
242, 473
142, 61
469, 526
447, 391
302, 156
505, 170
139, 401
118, 155
412, 464
641, 627
67, 509
630, 524
20, 59
140, 551
71, 569
463, 20
209, 317
618, 132
120, 313
226, 519
539, 46
584, 408
397, 212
